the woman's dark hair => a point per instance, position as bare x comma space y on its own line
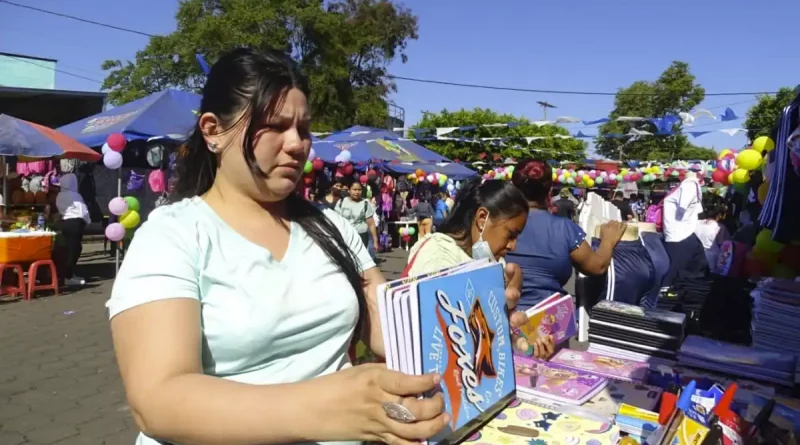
535, 179
500, 198
256, 83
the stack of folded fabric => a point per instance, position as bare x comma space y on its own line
633, 332
776, 307
744, 361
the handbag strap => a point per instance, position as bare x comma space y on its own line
412, 260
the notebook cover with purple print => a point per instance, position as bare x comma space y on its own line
555, 381
611, 367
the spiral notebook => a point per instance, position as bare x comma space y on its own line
555, 382
453, 323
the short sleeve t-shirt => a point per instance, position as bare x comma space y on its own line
356, 213
441, 209
264, 321
543, 255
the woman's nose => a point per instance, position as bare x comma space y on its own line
292, 142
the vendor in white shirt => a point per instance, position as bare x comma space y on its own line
682, 208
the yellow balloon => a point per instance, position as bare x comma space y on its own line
590, 183
723, 153
730, 178
129, 219
765, 244
763, 189
763, 143
749, 159
566, 174
555, 176
740, 176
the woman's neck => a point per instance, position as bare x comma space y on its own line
232, 203
534, 205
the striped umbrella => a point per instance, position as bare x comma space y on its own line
28, 140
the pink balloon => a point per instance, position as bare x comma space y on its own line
118, 206
115, 232
116, 141
593, 174
627, 177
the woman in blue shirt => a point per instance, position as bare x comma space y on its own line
550, 246
442, 210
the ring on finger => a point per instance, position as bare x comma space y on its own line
398, 412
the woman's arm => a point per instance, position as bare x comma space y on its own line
372, 335
373, 231
589, 262
158, 347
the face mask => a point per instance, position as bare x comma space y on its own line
481, 249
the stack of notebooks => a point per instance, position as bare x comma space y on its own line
776, 307
453, 323
633, 332
539, 381
743, 361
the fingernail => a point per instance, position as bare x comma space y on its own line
437, 378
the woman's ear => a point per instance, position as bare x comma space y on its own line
481, 216
210, 127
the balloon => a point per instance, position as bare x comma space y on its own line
363, 179
765, 243
403, 231
346, 155
720, 176
105, 148
372, 174
317, 164
133, 203
129, 219
347, 169
590, 183
312, 155
412, 230
112, 160
562, 179
749, 159
763, 189
740, 176
419, 172
116, 142
115, 232
763, 143
309, 167
599, 180
117, 206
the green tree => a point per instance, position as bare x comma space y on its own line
516, 146
763, 117
343, 46
675, 91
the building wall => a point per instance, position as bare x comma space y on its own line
23, 72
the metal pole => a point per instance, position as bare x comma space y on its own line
119, 243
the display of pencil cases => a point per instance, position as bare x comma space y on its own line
603, 365
453, 323
555, 382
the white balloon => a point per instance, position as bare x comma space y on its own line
112, 160
106, 148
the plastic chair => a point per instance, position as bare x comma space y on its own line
32, 274
13, 290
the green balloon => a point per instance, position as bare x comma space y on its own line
133, 203
308, 168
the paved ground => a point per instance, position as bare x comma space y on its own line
59, 382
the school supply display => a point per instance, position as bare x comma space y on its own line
608, 401
647, 332
776, 306
453, 323
610, 367
750, 362
555, 316
636, 421
526, 424
555, 382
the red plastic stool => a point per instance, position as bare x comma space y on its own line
13, 290
32, 272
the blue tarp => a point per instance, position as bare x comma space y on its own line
453, 170
373, 144
169, 113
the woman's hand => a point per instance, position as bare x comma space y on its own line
543, 348
612, 231
357, 409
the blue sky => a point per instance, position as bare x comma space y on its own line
589, 45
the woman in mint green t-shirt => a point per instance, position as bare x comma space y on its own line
235, 306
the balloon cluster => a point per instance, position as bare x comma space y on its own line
419, 175
734, 168
501, 173
127, 209
112, 150
407, 231
770, 258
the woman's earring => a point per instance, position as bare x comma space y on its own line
213, 147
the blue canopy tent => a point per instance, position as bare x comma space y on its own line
453, 170
368, 144
170, 114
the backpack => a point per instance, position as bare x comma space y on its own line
655, 214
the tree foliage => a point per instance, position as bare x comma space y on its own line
343, 46
517, 147
763, 117
675, 91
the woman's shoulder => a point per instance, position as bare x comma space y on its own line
175, 222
